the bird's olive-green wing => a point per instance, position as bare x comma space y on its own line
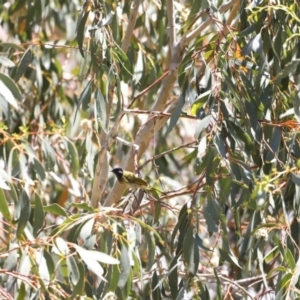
138, 181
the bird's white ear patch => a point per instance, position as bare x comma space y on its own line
120, 171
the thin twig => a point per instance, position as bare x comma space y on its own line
236, 284
148, 88
166, 152
157, 113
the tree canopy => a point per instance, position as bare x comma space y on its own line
199, 98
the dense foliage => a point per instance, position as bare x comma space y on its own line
200, 98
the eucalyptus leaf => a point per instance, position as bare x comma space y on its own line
81, 30
24, 213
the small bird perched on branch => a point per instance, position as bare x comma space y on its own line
132, 181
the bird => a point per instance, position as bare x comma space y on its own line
130, 180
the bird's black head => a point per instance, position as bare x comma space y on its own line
118, 172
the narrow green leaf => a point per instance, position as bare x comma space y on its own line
173, 278
102, 257
4, 207
277, 45
271, 255
199, 102
24, 213
128, 286
183, 225
151, 250
261, 265
121, 56
274, 144
50, 263
55, 209
73, 157
220, 145
191, 252
42, 267
184, 68
86, 234
125, 267
60, 247
219, 285
39, 168
113, 277
285, 281
175, 115
21, 291
83, 206
81, 30
78, 288
212, 213
38, 215
73, 269
244, 136
10, 84
194, 267
289, 259
100, 110
85, 96
257, 132
63, 268
91, 263
49, 155
188, 249
11, 45
157, 207
6, 62
156, 295
23, 64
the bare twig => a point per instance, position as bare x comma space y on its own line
233, 282
148, 88
167, 152
157, 113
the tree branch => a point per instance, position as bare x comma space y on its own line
130, 27
171, 24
